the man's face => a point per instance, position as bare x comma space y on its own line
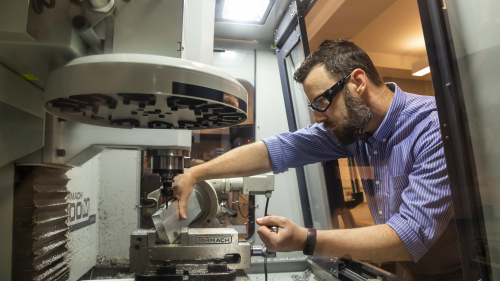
347, 112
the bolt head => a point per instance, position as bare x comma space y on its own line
60, 153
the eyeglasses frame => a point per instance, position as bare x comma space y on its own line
329, 94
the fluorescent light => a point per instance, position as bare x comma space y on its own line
420, 67
422, 72
228, 54
245, 10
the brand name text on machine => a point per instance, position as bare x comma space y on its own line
213, 239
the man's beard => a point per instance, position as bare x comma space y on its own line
357, 117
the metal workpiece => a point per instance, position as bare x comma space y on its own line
168, 222
202, 211
254, 185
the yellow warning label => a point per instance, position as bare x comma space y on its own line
28, 76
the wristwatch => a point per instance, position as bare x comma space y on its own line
310, 242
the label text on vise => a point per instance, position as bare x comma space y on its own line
213, 239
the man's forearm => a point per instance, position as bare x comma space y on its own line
377, 243
244, 161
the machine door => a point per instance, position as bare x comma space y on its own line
463, 44
320, 185
291, 49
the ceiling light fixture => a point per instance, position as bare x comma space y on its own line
243, 11
420, 67
422, 72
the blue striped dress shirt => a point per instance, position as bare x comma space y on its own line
404, 175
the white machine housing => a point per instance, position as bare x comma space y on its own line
145, 91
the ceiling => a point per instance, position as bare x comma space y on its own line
389, 31
237, 31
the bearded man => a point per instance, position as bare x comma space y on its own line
394, 135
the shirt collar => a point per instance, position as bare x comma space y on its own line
390, 119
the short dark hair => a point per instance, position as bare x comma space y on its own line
340, 56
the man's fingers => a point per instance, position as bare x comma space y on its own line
266, 236
272, 221
183, 206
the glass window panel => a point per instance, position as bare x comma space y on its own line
475, 28
209, 144
315, 181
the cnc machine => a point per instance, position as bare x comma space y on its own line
81, 78
110, 75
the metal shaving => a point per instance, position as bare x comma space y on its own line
104, 262
304, 277
120, 275
125, 275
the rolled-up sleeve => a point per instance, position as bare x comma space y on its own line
308, 145
426, 207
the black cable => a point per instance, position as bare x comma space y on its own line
239, 208
265, 258
239, 194
265, 267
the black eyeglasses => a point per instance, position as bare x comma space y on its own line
322, 102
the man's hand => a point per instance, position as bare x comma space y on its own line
183, 186
290, 237
228, 165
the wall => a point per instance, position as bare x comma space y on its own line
238, 63
418, 87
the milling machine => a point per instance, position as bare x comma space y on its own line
198, 248
126, 75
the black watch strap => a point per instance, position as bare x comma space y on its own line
310, 242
